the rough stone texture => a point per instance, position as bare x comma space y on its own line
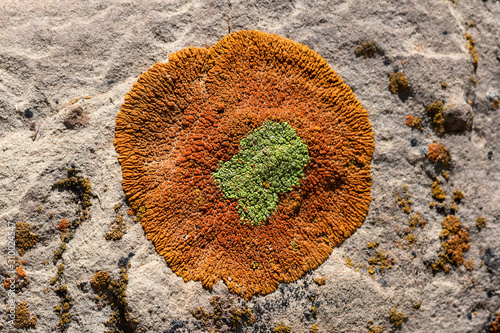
56, 52
458, 116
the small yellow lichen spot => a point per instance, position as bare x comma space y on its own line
348, 262
397, 318
282, 329
437, 191
480, 222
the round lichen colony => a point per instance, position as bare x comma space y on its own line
269, 163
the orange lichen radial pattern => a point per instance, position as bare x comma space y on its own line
183, 117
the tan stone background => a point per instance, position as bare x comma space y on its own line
55, 52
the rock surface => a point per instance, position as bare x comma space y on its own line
58, 56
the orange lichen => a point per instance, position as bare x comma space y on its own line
100, 281
437, 191
25, 239
451, 226
495, 325
20, 280
23, 317
398, 83
414, 122
458, 196
454, 247
495, 103
397, 318
320, 281
439, 154
469, 264
63, 225
480, 223
183, 118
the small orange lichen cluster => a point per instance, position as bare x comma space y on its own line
320, 281
437, 191
480, 223
100, 281
469, 265
414, 122
458, 196
25, 239
23, 317
439, 153
20, 280
451, 226
183, 118
63, 225
495, 103
398, 83
434, 112
366, 49
495, 325
454, 247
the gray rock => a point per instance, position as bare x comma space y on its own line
458, 117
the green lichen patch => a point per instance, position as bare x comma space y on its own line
270, 162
